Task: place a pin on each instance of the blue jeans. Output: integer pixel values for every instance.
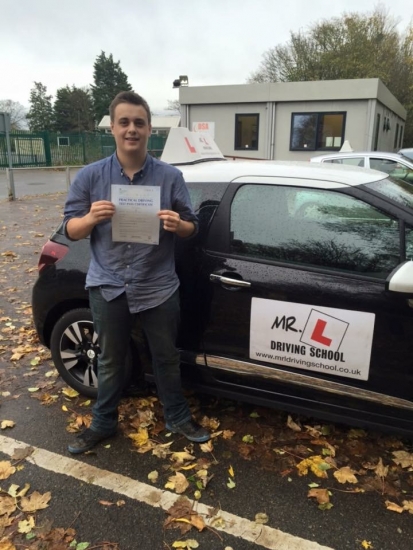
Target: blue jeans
(115, 324)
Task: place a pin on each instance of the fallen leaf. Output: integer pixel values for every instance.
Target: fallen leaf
(197, 522)
(261, 518)
(321, 495)
(35, 501)
(293, 425)
(187, 544)
(153, 476)
(7, 545)
(177, 483)
(210, 423)
(182, 456)
(317, 465)
(141, 438)
(393, 507)
(228, 434)
(70, 392)
(15, 492)
(345, 475)
(106, 503)
(7, 505)
(231, 471)
(25, 526)
(207, 447)
(381, 470)
(366, 544)
(21, 454)
(403, 459)
(231, 483)
(7, 424)
(6, 469)
(248, 439)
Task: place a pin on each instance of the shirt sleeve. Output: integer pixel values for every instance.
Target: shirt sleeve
(78, 199)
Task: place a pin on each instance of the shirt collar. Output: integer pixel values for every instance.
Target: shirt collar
(142, 172)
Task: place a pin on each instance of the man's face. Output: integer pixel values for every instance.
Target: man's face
(131, 129)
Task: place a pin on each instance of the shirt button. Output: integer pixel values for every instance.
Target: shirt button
(126, 284)
(127, 267)
(128, 245)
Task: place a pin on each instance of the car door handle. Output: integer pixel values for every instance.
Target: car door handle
(228, 281)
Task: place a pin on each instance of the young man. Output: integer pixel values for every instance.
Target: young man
(132, 282)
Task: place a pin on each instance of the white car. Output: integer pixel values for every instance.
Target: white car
(393, 164)
(407, 153)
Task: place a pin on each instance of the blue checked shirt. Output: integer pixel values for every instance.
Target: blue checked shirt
(145, 272)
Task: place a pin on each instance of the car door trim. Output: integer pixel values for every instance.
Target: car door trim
(244, 368)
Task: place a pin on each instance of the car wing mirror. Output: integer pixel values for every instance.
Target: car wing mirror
(400, 279)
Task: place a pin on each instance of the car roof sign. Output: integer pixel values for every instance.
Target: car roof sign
(186, 147)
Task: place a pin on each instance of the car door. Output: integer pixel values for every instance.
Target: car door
(294, 280)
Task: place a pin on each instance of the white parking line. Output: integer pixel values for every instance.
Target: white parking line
(262, 535)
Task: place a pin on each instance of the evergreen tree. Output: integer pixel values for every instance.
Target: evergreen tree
(109, 80)
(73, 110)
(40, 114)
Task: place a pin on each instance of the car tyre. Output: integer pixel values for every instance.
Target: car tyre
(74, 347)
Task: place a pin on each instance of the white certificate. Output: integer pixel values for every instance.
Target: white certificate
(135, 219)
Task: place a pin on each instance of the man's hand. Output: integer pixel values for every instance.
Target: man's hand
(101, 211)
(172, 222)
(79, 228)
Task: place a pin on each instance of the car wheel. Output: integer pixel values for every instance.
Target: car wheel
(74, 347)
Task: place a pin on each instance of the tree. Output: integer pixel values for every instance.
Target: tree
(17, 113)
(347, 47)
(109, 80)
(40, 115)
(174, 105)
(73, 110)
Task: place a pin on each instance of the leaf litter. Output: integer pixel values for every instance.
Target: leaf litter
(340, 459)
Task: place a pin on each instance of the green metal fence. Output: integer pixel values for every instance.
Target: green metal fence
(57, 149)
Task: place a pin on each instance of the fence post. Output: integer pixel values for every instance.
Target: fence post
(84, 148)
(67, 177)
(10, 184)
(47, 149)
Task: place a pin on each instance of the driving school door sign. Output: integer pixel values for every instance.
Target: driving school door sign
(319, 339)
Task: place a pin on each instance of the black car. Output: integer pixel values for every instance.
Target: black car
(296, 293)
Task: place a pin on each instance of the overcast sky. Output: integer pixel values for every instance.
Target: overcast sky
(211, 41)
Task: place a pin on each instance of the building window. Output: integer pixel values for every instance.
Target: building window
(396, 137)
(317, 131)
(376, 133)
(401, 137)
(246, 131)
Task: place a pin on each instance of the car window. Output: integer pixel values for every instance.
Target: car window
(313, 227)
(409, 242)
(353, 161)
(393, 168)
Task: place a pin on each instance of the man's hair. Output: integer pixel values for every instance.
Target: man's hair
(128, 97)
